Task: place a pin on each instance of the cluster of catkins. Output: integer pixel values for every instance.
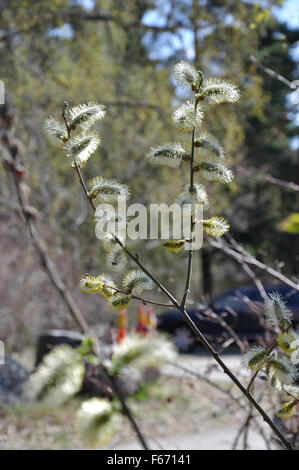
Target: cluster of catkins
(279, 368)
(206, 154)
(79, 148)
(208, 161)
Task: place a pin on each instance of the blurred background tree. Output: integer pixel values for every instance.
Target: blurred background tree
(120, 53)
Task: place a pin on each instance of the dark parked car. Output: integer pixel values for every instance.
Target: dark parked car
(238, 307)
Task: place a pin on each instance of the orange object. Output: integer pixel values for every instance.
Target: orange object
(142, 320)
(122, 326)
(151, 319)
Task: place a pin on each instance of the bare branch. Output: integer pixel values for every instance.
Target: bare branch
(249, 259)
(271, 73)
(269, 179)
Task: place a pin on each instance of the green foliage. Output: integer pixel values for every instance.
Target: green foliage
(290, 224)
(86, 349)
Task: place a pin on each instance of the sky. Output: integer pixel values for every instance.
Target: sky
(289, 13)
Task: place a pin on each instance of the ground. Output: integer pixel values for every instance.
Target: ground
(178, 411)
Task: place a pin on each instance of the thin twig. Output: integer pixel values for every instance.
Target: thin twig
(271, 72)
(142, 299)
(249, 272)
(243, 429)
(225, 325)
(190, 256)
(227, 371)
(251, 381)
(133, 257)
(268, 179)
(249, 259)
(223, 390)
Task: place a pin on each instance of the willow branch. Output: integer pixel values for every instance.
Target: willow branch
(251, 381)
(135, 258)
(74, 17)
(198, 333)
(225, 325)
(189, 268)
(209, 348)
(243, 429)
(258, 283)
(142, 299)
(207, 345)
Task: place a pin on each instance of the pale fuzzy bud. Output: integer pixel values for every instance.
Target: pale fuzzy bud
(277, 313)
(136, 281)
(191, 199)
(185, 117)
(174, 245)
(108, 288)
(288, 342)
(216, 226)
(283, 370)
(86, 115)
(116, 259)
(214, 171)
(55, 130)
(81, 147)
(185, 74)
(109, 242)
(58, 378)
(255, 358)
(208, 145)
(107, 190)
(96, 421)
(142, 352)
(217, 90)
(169, 155)
(90, 284)
(119, 301)
(286, 410)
